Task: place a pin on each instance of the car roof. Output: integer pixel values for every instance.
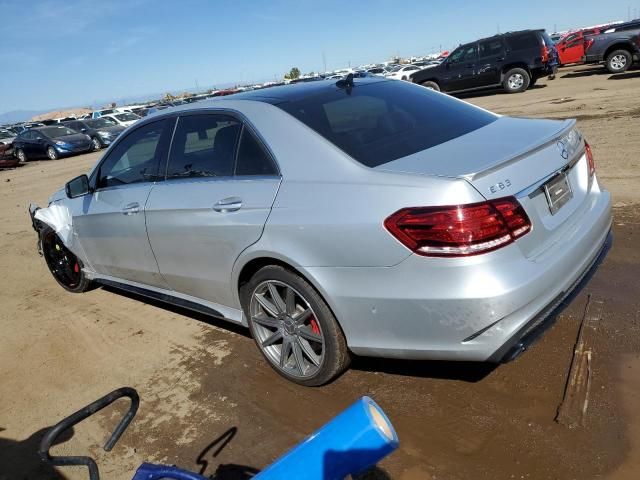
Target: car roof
(287, 93)
(506, 34)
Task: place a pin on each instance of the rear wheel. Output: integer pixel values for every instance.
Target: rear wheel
(431, 85)
(619, 61)
(293, 327)
(63, 265)
(516, 80)
(51, 153)
(96, 143)
(21, 155)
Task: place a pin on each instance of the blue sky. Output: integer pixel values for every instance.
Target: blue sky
(77, 52)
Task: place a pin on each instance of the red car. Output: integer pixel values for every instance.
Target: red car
(7, 160)
(571, 47)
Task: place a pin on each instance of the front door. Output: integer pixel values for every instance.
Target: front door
(214, 204)
(460, 68)
(110, 223)
(572, 49)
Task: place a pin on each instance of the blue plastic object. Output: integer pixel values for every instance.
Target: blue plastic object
(147, 471)
(352, 442)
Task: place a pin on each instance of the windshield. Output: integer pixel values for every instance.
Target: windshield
(376, 123)
(100, 123)
(55, 132)
(126, 117)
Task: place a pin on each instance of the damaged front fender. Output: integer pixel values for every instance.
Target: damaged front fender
(58, 218)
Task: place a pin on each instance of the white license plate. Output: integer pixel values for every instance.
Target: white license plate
(558, 192)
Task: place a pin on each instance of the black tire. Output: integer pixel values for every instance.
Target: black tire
(334, 355)
(96, 144)
(516, 80)
(431, 85)
(619, 61)
(64, 266)
(20, 155)
(51, 153)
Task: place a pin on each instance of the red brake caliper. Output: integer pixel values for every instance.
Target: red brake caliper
(315, 328)
(76, 267)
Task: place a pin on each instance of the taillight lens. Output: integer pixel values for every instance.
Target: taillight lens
(460, 230)
(590, 161)
(545, 54)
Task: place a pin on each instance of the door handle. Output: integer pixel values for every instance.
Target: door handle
(131, 209)
(230, 204)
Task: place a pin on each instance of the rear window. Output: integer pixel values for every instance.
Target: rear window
(524, 41)
(377, 123)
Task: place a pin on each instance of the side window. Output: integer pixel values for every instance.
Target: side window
(574, 42)
(523, 41)
(204, 146)
(135, 159)
(27, 135)
(252, 159)
(465, 53)
(490, 48)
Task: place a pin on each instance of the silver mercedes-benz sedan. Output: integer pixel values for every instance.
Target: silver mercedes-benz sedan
(372, 217)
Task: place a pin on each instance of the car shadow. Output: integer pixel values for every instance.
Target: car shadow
(20, 459)
(492, 91)
(599, 70)
(201, 317)
(626, 75)
(471, 372)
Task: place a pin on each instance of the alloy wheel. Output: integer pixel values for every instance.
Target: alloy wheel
(21, 156)
(63, 264)
(516, 81)
(286, 329)
(51, 153)
(96, 143)
(618, 62)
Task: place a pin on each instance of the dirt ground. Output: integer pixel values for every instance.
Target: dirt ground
(202, 381)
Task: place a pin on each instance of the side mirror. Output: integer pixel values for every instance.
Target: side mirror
(77, 187)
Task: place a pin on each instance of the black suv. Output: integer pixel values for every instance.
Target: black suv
(514, 60)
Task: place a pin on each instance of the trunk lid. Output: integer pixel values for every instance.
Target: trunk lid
(515, 157)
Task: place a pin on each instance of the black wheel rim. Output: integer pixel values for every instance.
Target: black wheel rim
(63, 264)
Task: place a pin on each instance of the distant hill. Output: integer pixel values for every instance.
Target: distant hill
(18, 116)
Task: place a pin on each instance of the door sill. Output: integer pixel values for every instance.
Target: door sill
(171, 297)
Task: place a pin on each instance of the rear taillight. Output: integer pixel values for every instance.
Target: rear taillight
(545, 54)
(460, 230)
(587, 43)
(590, 161)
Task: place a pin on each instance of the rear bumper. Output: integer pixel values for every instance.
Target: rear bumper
(474, 309)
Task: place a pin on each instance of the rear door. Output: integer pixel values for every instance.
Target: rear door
(490, 60)
(220, 185)
(25, 141)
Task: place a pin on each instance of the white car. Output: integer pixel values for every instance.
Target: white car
(402, 72)
(124, 119)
